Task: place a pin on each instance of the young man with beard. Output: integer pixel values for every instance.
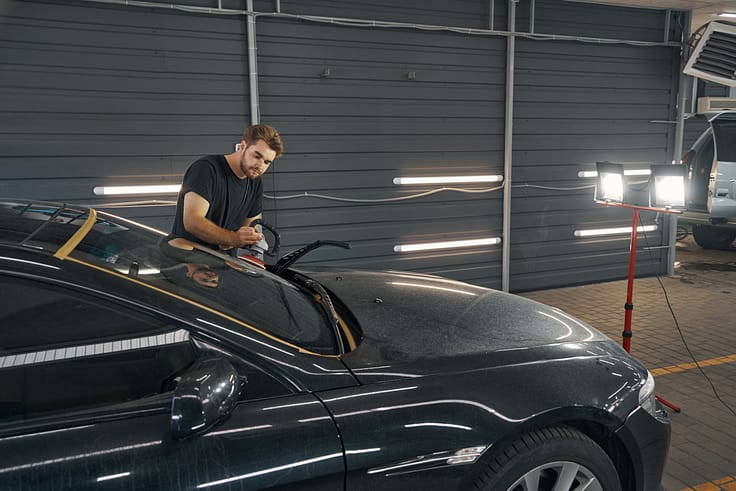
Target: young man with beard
(222, 194)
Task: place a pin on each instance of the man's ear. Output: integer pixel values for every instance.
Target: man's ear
(243, 144)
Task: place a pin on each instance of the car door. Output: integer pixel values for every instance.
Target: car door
(722, 186)
(86, 396)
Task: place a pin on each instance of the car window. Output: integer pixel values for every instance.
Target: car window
(725, 137)
(254, 296)
(60, 351)
(46, 226)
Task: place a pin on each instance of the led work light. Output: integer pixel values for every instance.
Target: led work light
(610, 187)
(667, 186)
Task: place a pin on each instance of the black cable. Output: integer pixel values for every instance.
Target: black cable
(677, 324)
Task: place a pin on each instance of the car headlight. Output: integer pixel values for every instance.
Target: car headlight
(647, 398)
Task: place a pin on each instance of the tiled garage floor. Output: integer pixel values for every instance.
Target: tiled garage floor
(702, 294)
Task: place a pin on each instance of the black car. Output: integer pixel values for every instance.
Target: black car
(130, 361)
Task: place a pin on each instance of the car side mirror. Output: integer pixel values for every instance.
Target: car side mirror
(206, 395)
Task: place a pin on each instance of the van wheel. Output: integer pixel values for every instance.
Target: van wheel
(557, 458)
(709, 237)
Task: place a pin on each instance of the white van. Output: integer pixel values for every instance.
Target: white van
(711, 199)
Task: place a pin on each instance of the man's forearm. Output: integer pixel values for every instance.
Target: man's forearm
(208, 232)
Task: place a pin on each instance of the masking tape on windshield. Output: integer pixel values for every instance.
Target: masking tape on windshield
(64, 251)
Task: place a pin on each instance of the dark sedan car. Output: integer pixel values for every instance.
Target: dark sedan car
(129, 361)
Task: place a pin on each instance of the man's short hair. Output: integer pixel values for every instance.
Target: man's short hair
(266, 133)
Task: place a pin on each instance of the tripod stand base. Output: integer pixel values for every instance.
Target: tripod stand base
(667, 403)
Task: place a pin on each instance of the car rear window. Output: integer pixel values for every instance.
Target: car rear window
(725, 138)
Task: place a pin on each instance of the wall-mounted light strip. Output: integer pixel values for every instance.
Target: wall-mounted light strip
(596, 232)
(630, 172)
(447, 179)
(113, 476)
(149, 189)
(453, 244)
(731, 15)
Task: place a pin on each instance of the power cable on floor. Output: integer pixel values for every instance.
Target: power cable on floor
(677, 324)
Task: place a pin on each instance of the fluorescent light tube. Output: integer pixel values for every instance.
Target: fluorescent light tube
(149, 189)
(631, 172)
(595, 232)
(447, 179)
(113, 476)
(453, 244)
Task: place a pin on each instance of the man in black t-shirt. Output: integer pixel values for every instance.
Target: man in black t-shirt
(222, 194)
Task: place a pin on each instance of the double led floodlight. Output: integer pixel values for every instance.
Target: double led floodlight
(667, 185)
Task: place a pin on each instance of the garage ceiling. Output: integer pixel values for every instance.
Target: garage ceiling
(703, 10)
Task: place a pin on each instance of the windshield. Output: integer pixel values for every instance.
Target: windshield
(218, 281)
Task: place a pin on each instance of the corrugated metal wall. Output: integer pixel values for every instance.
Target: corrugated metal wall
(95, 95)
(98, 94)
(577, 103)
(350, 133)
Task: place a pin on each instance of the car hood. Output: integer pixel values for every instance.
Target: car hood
(410, 317)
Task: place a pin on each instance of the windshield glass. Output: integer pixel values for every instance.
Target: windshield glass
(39, 225)
(221, 282)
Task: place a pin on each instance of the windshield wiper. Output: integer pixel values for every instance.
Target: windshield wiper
(294, 256)
(321, 296)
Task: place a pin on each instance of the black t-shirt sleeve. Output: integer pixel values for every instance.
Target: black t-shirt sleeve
(201, 178)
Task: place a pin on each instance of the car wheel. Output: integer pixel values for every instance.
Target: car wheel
(558, 458)
(709, 237)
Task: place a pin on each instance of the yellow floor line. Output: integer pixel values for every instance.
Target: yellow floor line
(689, 366)
(727, 483)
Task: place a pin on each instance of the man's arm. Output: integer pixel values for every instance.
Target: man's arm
(197, 224)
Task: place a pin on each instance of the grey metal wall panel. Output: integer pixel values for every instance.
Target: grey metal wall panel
(350, 133)
(589, 20)
(95, 94)
(577, 103)
(459, 13)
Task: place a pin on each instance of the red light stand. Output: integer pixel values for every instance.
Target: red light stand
(626, 335)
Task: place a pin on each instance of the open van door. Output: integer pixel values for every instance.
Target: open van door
(722, 181)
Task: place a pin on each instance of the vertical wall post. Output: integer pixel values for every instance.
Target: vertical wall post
(507, 147)
(255, 110)
(682, 97)
(682, 88)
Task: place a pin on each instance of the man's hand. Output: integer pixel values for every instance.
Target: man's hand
(248, 235)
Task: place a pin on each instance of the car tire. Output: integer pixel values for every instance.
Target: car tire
(709, 237)
(542, 459)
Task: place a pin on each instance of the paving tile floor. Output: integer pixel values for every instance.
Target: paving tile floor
(701, 325)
